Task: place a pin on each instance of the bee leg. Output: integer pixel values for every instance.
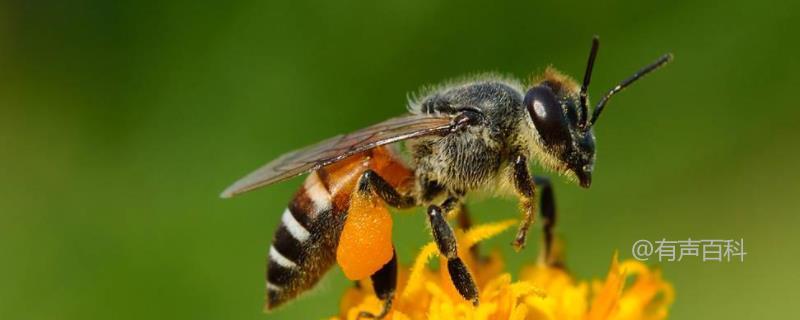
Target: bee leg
(465, 223)
(446, 242)
(384, 282)
(463, 219)
(371, 182)
(523, 183)
(547, 204)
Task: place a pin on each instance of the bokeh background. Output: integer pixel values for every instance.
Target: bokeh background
(120, 123)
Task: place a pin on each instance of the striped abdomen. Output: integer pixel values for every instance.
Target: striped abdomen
(304, 246)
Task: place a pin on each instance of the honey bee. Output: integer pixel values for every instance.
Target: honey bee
(462, 137)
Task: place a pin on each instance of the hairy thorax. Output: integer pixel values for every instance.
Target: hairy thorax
(471, 159)
(457, 164)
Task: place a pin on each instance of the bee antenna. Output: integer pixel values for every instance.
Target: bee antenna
(587, 77)
(625, 83)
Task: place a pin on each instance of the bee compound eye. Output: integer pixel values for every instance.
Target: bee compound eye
(547, 115)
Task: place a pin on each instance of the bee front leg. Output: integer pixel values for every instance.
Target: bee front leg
(524, 185)
(384, 282)
(446, 242)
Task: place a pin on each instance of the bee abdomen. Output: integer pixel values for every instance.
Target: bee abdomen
(304, 245)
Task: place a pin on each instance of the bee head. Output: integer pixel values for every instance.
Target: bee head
(565, 143)
(558, 109)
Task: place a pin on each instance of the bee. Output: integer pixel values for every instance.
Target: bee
(462, 137)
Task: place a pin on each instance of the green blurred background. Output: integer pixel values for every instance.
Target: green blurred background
(121, 123)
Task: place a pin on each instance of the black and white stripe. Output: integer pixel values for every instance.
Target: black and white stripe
(304, 246)
(277, 257)
(286, 252)
(295, 228)
(287, 255)
(294, 265)
(318, 193)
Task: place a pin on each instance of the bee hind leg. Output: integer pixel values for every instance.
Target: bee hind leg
(372, 183)
(384, 282)
(446, 242)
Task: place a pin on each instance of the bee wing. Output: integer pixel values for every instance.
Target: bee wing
(340, 147)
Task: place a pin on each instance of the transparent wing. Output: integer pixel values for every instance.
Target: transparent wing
(337, 148)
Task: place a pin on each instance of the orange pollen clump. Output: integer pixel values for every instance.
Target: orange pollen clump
(366, 241)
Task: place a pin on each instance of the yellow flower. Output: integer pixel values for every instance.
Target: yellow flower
(543, 291)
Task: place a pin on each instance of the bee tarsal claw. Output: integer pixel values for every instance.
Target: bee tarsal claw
(518, 244)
